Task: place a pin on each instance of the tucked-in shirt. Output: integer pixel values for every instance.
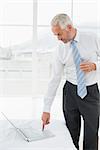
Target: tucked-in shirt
(88, 45)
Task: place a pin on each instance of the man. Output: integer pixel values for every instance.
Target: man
(78, 53)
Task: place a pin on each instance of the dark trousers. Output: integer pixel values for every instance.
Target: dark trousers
(74, 107)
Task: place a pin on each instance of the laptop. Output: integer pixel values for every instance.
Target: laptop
(30, 134)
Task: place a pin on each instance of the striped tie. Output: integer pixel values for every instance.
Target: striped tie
(81, 83)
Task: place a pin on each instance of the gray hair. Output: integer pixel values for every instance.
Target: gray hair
(62, 20)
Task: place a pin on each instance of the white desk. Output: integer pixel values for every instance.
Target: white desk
(61, 141)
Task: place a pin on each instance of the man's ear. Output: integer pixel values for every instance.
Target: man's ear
(69, 28)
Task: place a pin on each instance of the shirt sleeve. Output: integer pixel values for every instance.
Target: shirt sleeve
(98, 54)
(57, 70)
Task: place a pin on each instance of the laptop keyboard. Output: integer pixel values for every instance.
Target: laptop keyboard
(34, 134)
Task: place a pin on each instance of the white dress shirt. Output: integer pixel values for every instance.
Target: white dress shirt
(89, 48)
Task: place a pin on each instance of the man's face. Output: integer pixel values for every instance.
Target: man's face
(62, 34)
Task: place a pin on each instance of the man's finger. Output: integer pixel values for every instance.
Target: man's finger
(85, 65)
(47, 122)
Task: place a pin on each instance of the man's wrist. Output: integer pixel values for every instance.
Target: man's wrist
(46, 112)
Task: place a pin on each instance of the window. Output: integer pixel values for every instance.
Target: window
(86, 15)
(25, 20)
(85, 12)
(47, 9)
(16, 19)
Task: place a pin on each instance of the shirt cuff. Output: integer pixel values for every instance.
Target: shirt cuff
(47, 109)
(97, 66)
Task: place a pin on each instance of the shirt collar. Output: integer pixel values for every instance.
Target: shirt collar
(77, 36)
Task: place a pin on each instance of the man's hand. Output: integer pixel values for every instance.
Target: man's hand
(46, 118)
(87, 66)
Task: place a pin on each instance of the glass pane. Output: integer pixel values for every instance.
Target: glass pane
(98, 11)
(46, 40)
(95, 30)
(16, 11)
(43, 66)
(86, 12)
(13, 35)
(47, 9)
